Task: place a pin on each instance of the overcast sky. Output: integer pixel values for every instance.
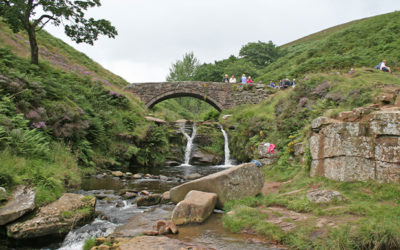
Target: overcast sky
(155, 33)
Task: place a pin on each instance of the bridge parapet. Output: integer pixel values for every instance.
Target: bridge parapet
(219, 95)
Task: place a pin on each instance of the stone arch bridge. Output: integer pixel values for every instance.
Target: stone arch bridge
(220, 95)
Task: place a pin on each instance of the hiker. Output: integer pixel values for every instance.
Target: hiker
(244, 79)
(232, 79)
(351, 71)
(226, 78)
(383, 67)
(293, 84)
(272, 84)
(286, 83)
(280, 84)
(249, 80)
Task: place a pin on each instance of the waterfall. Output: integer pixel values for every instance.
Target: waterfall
(189, 144)
(226, 148)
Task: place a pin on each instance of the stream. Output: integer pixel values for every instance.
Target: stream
(117, 211)
(114, 210)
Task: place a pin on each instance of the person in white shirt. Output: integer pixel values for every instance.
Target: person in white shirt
(383, 67)
(232, 79)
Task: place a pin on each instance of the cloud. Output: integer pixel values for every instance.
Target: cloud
(155, 33)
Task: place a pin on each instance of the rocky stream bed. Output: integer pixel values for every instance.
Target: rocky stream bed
(118, 215)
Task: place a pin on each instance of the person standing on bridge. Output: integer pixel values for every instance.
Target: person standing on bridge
(232, 79)
(244, 79)
(226, 78)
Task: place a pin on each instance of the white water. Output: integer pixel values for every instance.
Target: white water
(226, 148)
(76, 238)
(189, 144)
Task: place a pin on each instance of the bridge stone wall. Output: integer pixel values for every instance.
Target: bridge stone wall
(219, 95)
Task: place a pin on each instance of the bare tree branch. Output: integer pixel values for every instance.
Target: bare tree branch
(38, 21)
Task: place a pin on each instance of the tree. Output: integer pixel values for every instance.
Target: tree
(185, 69)
(21, 15)
(260, 54)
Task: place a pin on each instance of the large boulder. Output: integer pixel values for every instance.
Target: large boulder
(323, 196)
(195, 208)
(236, 182)
(22, 201)
(57, 218)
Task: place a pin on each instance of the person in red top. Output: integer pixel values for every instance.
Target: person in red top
(249, 80)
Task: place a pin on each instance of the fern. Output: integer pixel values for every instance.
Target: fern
(27, 142)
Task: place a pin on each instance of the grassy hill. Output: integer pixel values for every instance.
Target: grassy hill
(66, 116)
(369, 217)
(359, 43)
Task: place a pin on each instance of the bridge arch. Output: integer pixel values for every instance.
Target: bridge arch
(174, 94)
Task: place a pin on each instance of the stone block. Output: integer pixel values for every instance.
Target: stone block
(344, 168)
(195, 208)
(385, 123)
(387, 149)
(236, 182)
(387, 172)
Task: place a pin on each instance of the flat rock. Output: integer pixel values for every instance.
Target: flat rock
(156, 243)
(22, 201)
(195, 208)
(57, 218)
(143, 222)
(117, 173)
(323, 196)
(236, 182)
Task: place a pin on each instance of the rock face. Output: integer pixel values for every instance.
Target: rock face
(59, 217)
(365, 149)
(323, 196)
(202, 158)
(236, 182)
(195, 208)
(22, 201)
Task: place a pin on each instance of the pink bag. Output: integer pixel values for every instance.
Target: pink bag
(271, 148)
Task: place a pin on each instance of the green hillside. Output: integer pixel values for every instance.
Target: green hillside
(369, 214)
(360, 43)
(66, 117)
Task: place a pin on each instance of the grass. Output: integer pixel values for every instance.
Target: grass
(368, 217)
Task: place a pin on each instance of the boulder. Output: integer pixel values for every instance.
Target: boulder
(22, 201)
(163, 178)
(129, 195)
(57, 218)
(117, 173)
(195, 208)
(323, 196)
(236, 182)
(149, 200)
(137, 176)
